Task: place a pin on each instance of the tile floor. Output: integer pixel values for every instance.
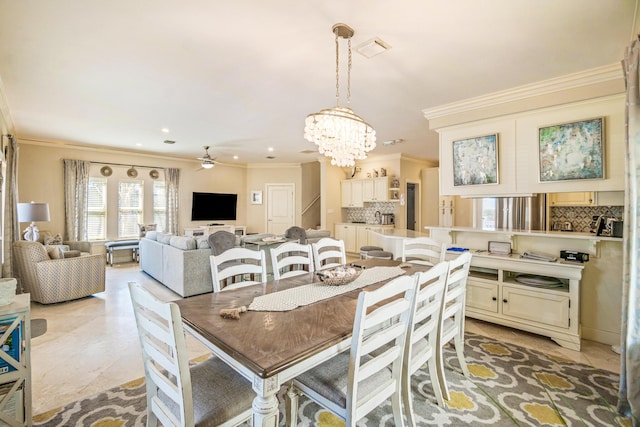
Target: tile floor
(92, 344)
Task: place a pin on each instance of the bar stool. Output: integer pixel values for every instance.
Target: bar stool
(366, 249)
(380, 254)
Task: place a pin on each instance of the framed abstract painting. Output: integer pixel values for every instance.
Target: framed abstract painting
(571, 151)
(475, 160)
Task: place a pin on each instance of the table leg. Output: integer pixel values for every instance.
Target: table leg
(265, 404)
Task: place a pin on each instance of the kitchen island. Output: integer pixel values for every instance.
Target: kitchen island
(391, 239)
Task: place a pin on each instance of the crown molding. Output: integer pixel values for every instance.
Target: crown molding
(273, 165)
(96, 149)
(589, 77)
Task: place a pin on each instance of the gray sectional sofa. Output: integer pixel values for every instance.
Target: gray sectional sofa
(181, 263)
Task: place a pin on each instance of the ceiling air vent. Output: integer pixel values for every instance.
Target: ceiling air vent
(271, 157)
(372, 47)
(308, 151)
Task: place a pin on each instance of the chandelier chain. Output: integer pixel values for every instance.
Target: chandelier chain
(337, 69)
(349, 76)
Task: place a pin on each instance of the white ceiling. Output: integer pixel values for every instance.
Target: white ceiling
(241, 76)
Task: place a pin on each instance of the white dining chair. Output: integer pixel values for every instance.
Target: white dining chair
(328, 253)
(291, 259)
(423, 250)
(237, 267)
(352, 384)
(452, 315)
(422, 334)
(209, 393)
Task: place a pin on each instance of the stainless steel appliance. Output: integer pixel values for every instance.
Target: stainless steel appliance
(388, 219)
(512, 213)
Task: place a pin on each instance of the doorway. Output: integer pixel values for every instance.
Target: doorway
(412, 202)
(280, 207)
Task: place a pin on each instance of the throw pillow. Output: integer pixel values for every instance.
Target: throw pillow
(164, 238)
(70, 254)
(202, 242)
(186, 243)
(53, 240)
(54, 252)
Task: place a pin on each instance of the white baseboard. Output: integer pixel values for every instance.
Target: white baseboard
(598, 335)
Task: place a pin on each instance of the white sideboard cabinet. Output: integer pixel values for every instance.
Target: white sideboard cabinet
(495, 294)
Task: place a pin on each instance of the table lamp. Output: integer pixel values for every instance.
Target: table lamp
(32, 212)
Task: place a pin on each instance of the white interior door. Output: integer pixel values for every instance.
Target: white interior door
(280, 207)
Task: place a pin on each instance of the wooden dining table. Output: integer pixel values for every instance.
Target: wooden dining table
(270, 348)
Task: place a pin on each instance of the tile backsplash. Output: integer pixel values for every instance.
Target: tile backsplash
(368, 213)
(582, 216)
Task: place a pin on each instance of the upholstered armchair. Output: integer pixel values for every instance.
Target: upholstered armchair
(56, 280)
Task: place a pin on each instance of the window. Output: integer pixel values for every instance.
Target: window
(130, 203)
(159, 204)
(97, 207)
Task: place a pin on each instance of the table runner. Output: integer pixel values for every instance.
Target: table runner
(308, 294)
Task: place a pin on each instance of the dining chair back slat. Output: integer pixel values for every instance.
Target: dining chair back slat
(238, 267)
(328, 253)
(291, 259)
(423, 250)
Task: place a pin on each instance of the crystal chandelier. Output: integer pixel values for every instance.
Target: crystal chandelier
(338, 132)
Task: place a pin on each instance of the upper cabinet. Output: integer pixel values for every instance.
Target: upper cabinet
(357, 191)
(352, 195)
(587, 198)
(375, 189)
(517, 157)
(583, 198)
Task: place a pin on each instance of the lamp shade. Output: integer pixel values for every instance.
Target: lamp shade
(31, 212)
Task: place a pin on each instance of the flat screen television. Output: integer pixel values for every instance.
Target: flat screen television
(213, 206)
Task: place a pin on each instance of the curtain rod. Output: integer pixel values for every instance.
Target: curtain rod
(129, 165)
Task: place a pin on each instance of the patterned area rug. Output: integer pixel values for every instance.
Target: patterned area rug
(509, 386)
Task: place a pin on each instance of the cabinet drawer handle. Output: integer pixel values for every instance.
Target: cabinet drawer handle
(505, 301)
(494, 299)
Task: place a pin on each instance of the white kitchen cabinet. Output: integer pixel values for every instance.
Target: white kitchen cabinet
(446, 211)
(351, 192)
(356, 235)
(363, 235)
(494, 295)
(375, 189)
(347, 233)
(582, 198)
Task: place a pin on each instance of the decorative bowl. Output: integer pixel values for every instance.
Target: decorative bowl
(339, 276)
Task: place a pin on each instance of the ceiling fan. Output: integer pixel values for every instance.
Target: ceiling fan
(207, 161)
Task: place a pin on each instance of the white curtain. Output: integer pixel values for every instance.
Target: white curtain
(172, 180)
(76, 191)
(629, 397)
(11, 226)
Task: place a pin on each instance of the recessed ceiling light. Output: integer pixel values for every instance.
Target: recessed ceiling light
(235, 157)
(372, 47)
(169, 141)
(138, 145)
(164, 130)
(270, 149)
